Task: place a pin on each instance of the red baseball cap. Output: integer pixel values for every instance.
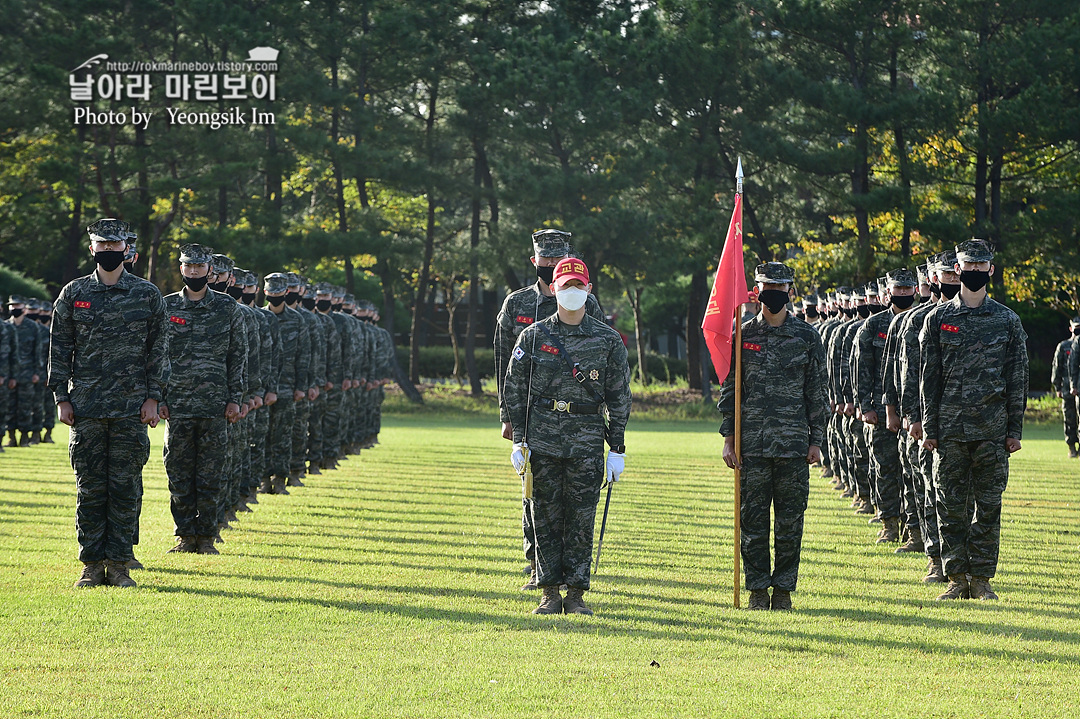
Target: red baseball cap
(570, 269)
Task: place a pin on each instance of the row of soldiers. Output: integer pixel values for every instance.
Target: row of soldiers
(1065, 378)
(26, 405)
(926, 403)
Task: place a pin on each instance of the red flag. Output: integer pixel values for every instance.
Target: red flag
(728, 293)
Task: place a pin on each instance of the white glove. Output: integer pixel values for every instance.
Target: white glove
(616, 463)
(517, 456)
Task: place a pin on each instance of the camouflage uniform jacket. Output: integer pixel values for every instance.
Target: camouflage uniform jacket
(335, 368)
(909, 368)
(42, 367)
(385, 363)
(9, 351)
(295, 352)
(316, 350)
(1059, 371)
(1073, 380)
(785, 401)
(601, 355)
(269, 349)
(846, 362)
(870, 366)
(27, 357)
(109, 348)
(253, 381)
(520, 309)
(207, 352)
(347, 342)
(974, 372)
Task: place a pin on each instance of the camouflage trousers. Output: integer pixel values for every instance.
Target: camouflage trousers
(970, 477)
(912, 490)
(331, 424)
(1069, 413)
(259, 442)
(107, 456)
(931, 538)
(37, 416)
(565, 493)
(315, 429)
(376, 411)
(837, 460)
(48, 407)
(5, 403)
(782, 485)
(279, 437)
(858, 456)
(194, 453)
(300, 436)
(22, 411)
(884, 468)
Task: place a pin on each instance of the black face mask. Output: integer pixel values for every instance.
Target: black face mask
(292, 298)
(276, 301)
(875, 308)
(811, 312)
(235, 292)
(309, 303)
(195, 284)
(775, 300)
(935, 290)
(109, 260)
(950, 291)
(337, 307)
(547, 274)
(219, 286)
(902, 302)
(974, 280)
(1076, 331)
(129, 266)
(863, 310)
(249, 299)
(16, 312)
(323, 305)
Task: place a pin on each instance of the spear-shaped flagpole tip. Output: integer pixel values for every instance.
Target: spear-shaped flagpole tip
(738, 177)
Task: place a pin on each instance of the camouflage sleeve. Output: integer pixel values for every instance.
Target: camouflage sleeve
(1058, 369)
(864, 369)
(593, 308)
(726, 405)
(254, 355)
(847, 392)
(834, 371)
(891, 362)
(303, 356)
(318, 353)
(43, 352)
(814, 393)
(158, 367)
(5, 357)
(335, 361)
(236, 357)
(930, 375)
(910, 402)
(1016, 380)
(515, 388)
(277, 354)
(61, 348)
(1072, 381)
(617, 394)
(504, 345)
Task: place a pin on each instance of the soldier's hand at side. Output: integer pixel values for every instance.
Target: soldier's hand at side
(67, 413)
(329, 386)
(1012, 444)
(12, 383)
(729, 454)
(849, 409)
(892, 420)
(929, 444)
(271, 398)
(35, 379)
(915, 430)
(813, 455)
(148, 413)
(1075, 393)
(244, 410)
(870, 417)
(232, 412)
(297, 395)
(1060, 395)
(163, 411)
(507, 431)
(313, 393)
(256, 402)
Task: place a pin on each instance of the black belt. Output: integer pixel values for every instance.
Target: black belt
(559, 405)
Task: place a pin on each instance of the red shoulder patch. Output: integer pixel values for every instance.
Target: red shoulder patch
(882, 335)
(178, 320)
(751, 346)
(549, 349)
(82, 305)
(522, 319)
(950, 328)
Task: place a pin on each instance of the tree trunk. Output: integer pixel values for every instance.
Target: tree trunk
(903, 164)
(421, 292)
(639, 334)
(75, 230)
(474, 274)
(695, 312)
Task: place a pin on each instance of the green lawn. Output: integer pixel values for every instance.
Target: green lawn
(390, 588)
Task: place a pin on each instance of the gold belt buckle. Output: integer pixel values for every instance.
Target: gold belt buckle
(561, 406)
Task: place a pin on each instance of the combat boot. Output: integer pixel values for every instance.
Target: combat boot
(185, 545)
(230, 517)
(134, 563)
(47, 439)
(551, 602)
(759, 599)
(313, 468)
(848, 494)
(890, 530)
(914, 541)
(12, 442)
(979, 588)
(116, 574)
(781, 600)
(531, 584)
(35, 437)
(865, 506)
(827, 474)
(279, 485)
(265, 486)
(838, 485)
(205, 545)
(294, 480)
(575, 602)
(242, 506)
(25, 440)
(957, 589)
(934, 573)
(93, 575)
(1073, 454)
(218, 539)
(253, 498)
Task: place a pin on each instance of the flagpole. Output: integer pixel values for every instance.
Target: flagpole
(738, 419)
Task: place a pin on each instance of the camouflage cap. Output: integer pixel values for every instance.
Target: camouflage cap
(324, 288)
(275, 282)
(194, 254)
(811, 299)
(882, 286)
(901, 277)
(843, 292)
(551, 243)
(922, 276)
(240, 276)
(870, 289)
(109, 229)
(975, 250)
(251, 279)
(774, 273)
(338, 293)
(293, 279)
(130, 251)
(349, 299)
(857, 293)
(16, 300)
(946, 261)
(221, 264)
(1075, 321)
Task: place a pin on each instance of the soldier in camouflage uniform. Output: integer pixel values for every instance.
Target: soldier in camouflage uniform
(871, 367)
(784, 411)
(269, 367)
(340, 375)
(207, 355)
(384, 370)
(9, 365)
(311, 376)
(330, 401)
(1067, 385)
(521, 309)
(556, 415)
(292, 379)
(109, 365)
(26, 372)
(974, 391)
(47, 401)
(854, 449)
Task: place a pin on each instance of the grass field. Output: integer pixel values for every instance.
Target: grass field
(390, 589)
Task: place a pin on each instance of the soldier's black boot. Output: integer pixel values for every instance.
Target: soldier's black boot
(116, 574)
(957, 589)
(934, 573)
(979, 588)
(93, 575)
(531, 584)
(12, 442)
(47, 439)
(575, 602)
(205, 545)
(134, 563)
(25, 441)
(294, 480)
(890, 531)
(1073, 454)
(759, 599)
(253, 498)
(279, 485)
(781, 600)
(265, 486)
(313, 468)
(551, 602)
(185, 545)
(35, 437)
